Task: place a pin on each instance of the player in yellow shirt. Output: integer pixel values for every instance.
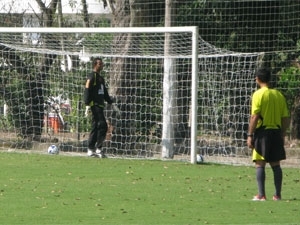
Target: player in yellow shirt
(267, 127)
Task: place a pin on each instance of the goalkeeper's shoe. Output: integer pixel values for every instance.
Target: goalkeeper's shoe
(259, 198)
(100, 154)
(91, 153)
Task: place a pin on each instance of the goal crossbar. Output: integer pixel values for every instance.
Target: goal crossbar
(183, 29)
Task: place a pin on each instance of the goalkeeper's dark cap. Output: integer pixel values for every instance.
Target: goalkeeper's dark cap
(263, 74)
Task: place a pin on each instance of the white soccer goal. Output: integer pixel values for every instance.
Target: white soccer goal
(175, 95)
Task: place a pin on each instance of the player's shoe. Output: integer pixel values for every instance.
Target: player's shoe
(259, 198)
(91, 153)
(100, 154)
(276, 198)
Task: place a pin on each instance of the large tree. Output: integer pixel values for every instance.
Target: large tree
(126, 70)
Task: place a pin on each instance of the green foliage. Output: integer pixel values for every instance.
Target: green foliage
(5, 123)
(244, 26)
(289, 83)
(57, 189)
(18, 112)
(150, 100)
(92, 40)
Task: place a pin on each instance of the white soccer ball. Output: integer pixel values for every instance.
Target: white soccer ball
(199, 159)
(53, 149)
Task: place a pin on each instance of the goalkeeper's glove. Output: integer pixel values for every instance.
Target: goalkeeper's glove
(87, 111)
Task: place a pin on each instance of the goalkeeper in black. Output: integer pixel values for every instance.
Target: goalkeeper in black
(95, 94)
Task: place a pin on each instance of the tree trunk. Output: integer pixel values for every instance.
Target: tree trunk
(35, 108)
(169, 90)
(125, 14)
(85, 13)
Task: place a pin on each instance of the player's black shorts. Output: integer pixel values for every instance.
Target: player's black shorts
(269, 144)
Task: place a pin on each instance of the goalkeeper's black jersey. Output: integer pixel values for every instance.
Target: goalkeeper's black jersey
(96, 93)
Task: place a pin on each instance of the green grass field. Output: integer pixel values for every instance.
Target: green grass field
(58, 189)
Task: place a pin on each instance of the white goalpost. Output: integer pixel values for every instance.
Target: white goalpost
(175, 94)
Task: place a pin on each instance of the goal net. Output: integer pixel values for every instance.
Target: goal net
(175, 95)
